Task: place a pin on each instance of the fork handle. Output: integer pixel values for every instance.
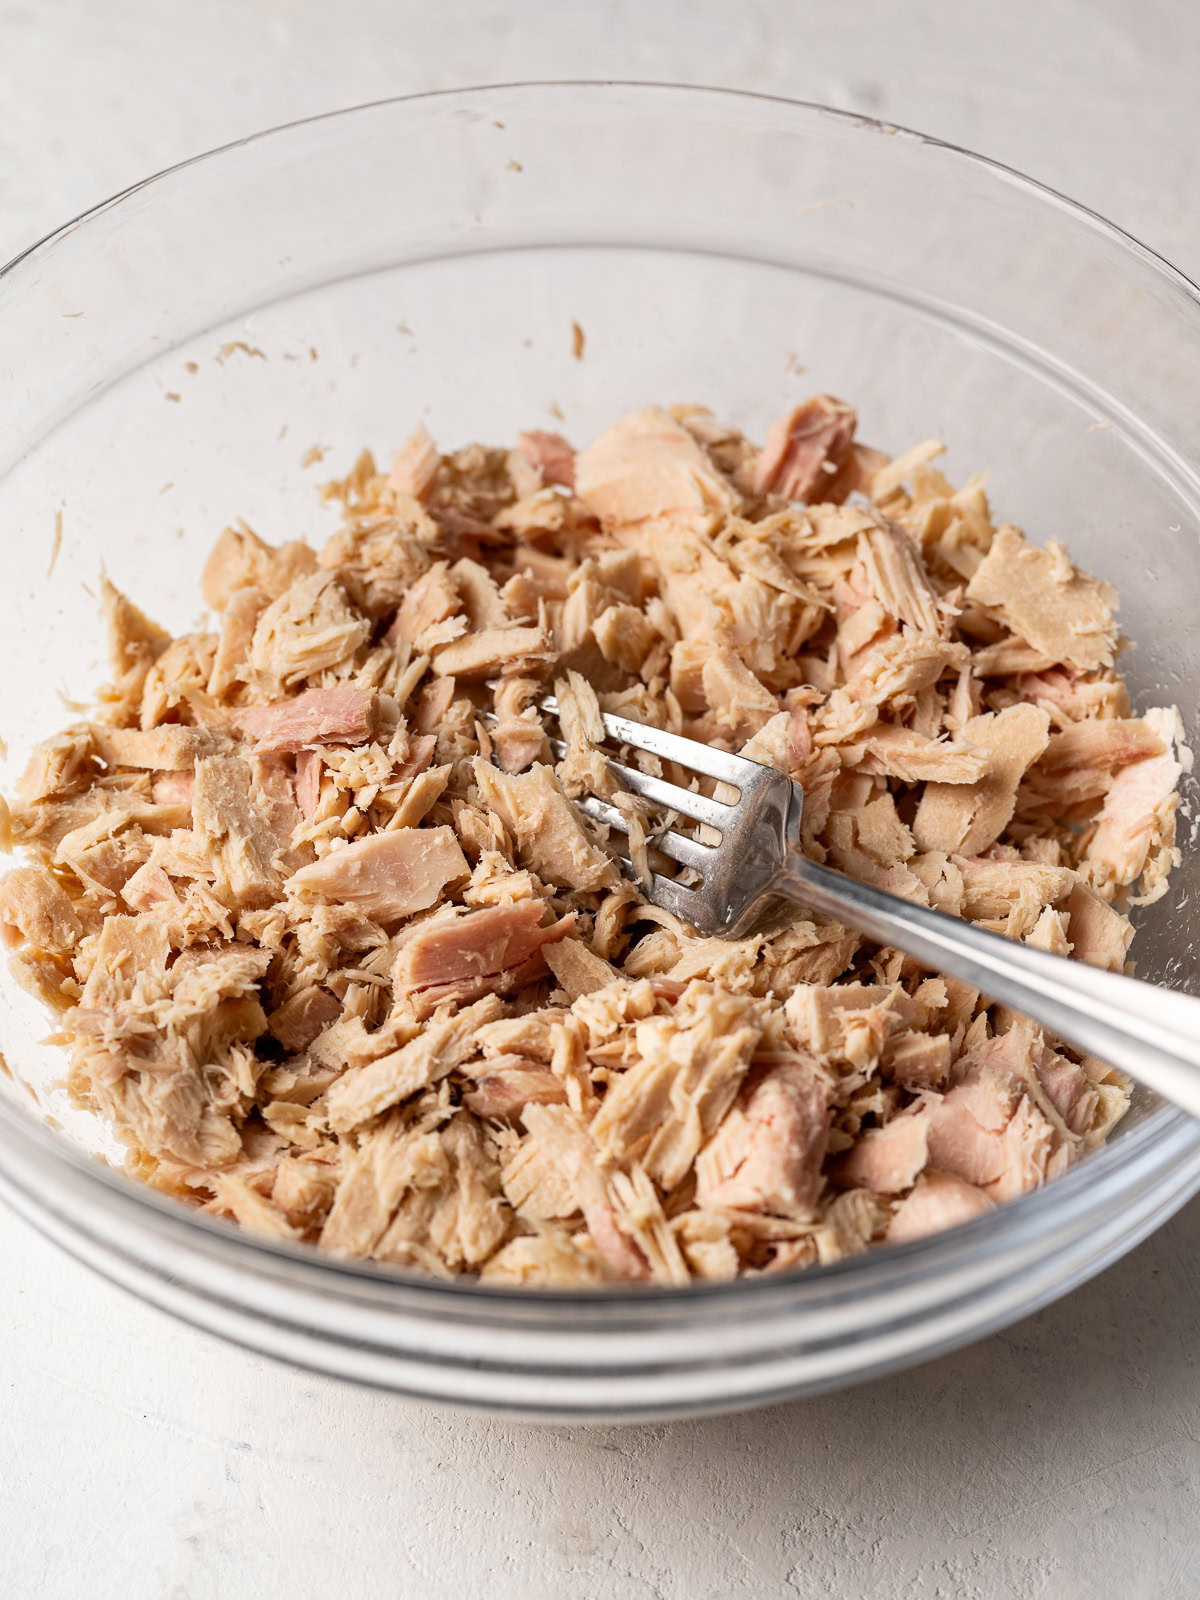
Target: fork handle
(1152, 1034)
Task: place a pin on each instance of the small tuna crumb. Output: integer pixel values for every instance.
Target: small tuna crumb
(233, 345)
(577, 341)
(57, 545)
(314, 453)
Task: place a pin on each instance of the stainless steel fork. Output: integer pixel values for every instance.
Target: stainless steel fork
(1151, 1033)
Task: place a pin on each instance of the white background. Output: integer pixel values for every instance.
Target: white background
(142, 1460)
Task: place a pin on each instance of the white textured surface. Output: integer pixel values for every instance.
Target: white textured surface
(1061, 1458)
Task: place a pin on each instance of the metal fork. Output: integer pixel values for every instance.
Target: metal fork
(1151, 1033)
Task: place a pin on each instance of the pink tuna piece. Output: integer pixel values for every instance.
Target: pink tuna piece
(940, 1200)
(172, 788)
(888, 1159)
(805, 447)
(505, 1085)
(420, 754)
(319, 716)
(386, 875)
(965, 1128)
(469, 950)
(432, 704)
(550, 453)
(767, 1154)
(308, 782)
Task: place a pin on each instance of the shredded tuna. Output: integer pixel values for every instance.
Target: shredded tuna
(462, 954)
(386, 875)
(338, 956)
(552, 456)
(938, 1200)
(317, 717)
(1064, 614)
(805, 448)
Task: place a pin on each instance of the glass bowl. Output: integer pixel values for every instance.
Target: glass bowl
(169, 361)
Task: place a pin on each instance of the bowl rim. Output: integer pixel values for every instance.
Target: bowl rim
(1021, 1221)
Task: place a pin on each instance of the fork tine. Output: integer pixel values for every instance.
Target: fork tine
(659, 792)
(675, 897)
(672, 747)
(689, 852)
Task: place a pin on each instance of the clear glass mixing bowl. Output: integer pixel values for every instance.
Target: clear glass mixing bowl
(166, 363)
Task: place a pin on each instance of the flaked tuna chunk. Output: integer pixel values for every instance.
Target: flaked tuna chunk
(939, 1200)
(1098, 934)
(577, 970)
(308, 783)
(992, 888)
(229, 817)
(387, 876)
(35, 907)
(965, 1129)
(429, 601)
(495, 650)
(170, 748)
(899, 667)
(505, 1085)
(433, 703)
(967, 819)
(452, 1216)
(415, 467)
(1069, 1090)
(767, 1154)
(557, 1170)
(231, 661)
(735, 696)
(1138, 817)
(482, 601)
(61, 765)
(1102, 742)
(303, 1188)
(518, 736)
(1066, 615)
(648, 465)
(888, 1159)
(443, 1044)
(298, 1021)
(893, 752)
(135, 643)
(241, 560)
(418, 1194)
(550, 454)
(987, 1130)
(920, 1060)
(149, 889)
(310, 627)
(464, 951)
(549, 834)
(420, 754)
(804, 449)
(690, 1069)
(897, 577)
(172, 788)
(1077, 696)
(625, 635)
(316, 717)
(1027, 1143)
